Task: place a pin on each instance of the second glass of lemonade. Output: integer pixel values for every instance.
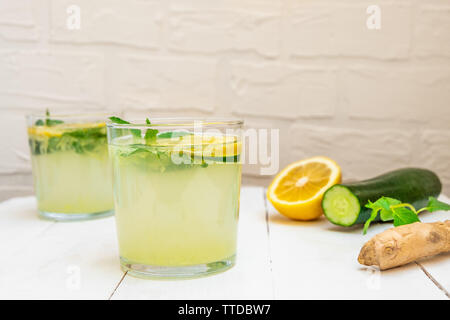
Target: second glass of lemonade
(71, 168)
(176, 191)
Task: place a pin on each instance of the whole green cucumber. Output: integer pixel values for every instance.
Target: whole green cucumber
(344, 204)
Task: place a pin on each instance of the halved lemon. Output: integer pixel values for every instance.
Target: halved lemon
(297, 190)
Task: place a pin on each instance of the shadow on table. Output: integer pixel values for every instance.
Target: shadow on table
(321, 223)
(434, 260)
(282, 220)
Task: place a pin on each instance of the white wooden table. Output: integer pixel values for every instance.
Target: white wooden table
(277, 259)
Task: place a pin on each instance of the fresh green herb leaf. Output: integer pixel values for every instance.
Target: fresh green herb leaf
(150, 135)
(134, 132)
(81, 141)
(404, 216)
(53, 145)
(77, 147)
(118, 120)
(48, 122)
(372, 217)
(87, 133)
(52, 122)
(383, 207)
(386, 213)
(436, 205)
(134, 151)
(401, 213)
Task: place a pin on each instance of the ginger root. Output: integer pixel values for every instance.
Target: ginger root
(404, 244)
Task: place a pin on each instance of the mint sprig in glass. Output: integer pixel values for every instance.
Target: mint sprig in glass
(71, 169)
(176, 191)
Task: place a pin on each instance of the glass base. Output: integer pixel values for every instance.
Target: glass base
(176, 272)
(74, 216)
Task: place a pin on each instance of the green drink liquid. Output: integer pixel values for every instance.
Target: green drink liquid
(71, 170)
(177, 214)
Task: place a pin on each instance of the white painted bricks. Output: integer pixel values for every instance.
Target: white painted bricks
(165, 83)
(374, 100)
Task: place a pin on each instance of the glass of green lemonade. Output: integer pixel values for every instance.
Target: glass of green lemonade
(71, 168)
(176, 192)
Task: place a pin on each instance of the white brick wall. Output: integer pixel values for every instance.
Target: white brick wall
(374, 100)
(358, 151)
(283, 90)
(340, 26)
(54, 76)
(432, 31)
(131, 23)
(17, 22)
(164, 83)
(212, 28)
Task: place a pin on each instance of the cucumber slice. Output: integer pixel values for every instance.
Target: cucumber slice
(341, 206)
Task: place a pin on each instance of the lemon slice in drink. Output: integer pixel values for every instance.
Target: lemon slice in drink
(59, 129)
(206, 146)
(297, 190)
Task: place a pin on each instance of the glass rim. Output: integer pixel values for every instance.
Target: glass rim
(179, 122)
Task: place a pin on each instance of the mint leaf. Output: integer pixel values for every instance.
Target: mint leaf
(118, 120)
(150, 135)
(134, 132)
(373, 215)
(386, 215)
(404, 216)
(51, 122)
(48, 122)
(87, 133)
(436, 205)
(81, 140)
(387, 202)
(135, 151)
(401, 213)
(383, 205)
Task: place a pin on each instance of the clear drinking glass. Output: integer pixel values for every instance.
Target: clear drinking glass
(71, 168)
(176, 193)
